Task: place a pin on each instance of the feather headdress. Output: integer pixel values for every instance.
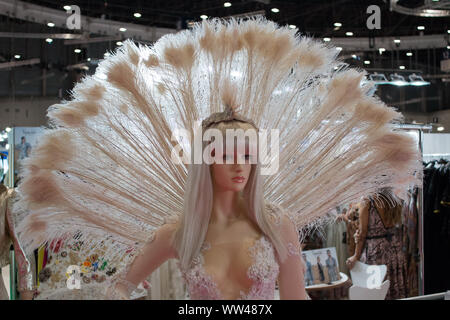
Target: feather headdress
(105, 167)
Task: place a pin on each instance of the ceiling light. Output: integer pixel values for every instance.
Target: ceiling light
(275, 10)
(51, 24)
(397, 41)
(448, 31)
(440, 128)
(77, 50)
(227, 4)
(204, 16)
(354, 56)
(119, 43)
(420, 27)
(409, 54)
(88, 59)
(366, 61)
(448, 47)
(292, 26)
(137, 15)
(17, 56)
(349, 34)
(123, 29)
(338, 24)
(381, 50)
(402, 67)
(49, 40)
(67, 8)
(326, 39)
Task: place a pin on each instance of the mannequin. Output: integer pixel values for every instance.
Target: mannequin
(7, 238)
(231, 235)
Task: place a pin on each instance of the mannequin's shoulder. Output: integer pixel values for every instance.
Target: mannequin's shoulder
(277, 215)
(168, 230)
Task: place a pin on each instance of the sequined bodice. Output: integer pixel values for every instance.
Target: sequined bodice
(263, 272)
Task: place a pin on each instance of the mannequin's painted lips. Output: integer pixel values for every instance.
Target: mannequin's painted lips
(238, 179)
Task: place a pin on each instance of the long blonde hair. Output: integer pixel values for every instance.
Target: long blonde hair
(390, 204)
(198, 203)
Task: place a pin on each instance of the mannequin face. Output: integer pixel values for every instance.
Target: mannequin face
(233, 176)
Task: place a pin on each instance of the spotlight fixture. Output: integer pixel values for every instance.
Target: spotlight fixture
(349, 34)
(420, 27)
(17, 56)
(417, 80)
(409, 54)
(8, 129)
(326, 39)
(378, 78)
(119, 43)
(366, 61)
(381, 50)
(338, 24)
(227, 4)
(402, 67)
(77, 50)
(292, 26)
(51, 24)
(440, 128)
(397, 41)
(398, 80)
(354, 56)
(67, 8)
(204, 16)
(275, 10)
(122, 29)
(137, 15)
(49, 40)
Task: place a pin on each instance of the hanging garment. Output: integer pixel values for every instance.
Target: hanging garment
(384, 246)
(436, 227)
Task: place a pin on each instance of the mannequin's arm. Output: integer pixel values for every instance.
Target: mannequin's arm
(292, 269)
(150, 258)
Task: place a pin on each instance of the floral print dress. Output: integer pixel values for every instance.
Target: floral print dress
(385, 246)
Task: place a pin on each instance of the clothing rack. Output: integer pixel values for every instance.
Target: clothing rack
(436, 156)
(434, 296)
